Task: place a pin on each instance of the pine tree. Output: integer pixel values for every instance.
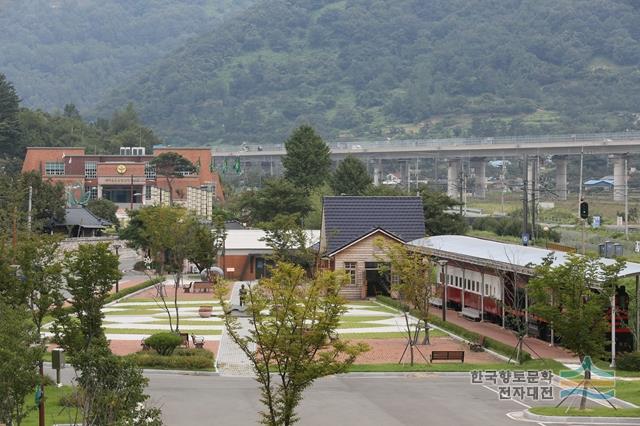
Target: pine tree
(351, 177)
(9, 123)
(307, 163)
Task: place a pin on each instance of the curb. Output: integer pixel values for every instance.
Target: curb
(127, 296)
(153, 371)
(577, 419)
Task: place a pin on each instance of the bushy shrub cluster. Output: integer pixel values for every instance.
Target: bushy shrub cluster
(164, 343)
(629, 362)
(511, 226)
(181, 359)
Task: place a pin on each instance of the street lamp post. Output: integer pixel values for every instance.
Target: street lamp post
(116, 247)
(443, 265)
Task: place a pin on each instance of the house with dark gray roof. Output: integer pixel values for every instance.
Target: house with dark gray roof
(80, 222)
(350, 226)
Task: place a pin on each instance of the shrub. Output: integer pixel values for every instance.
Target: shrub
(629, 362)
(182, 359)
(164, 343)
(471, 336)
(129, 290)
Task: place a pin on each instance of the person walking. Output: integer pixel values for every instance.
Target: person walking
(243, 294)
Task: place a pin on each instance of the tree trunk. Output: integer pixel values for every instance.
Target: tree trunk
(586, 385)
(175, 298)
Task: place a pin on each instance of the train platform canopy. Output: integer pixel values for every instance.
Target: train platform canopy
(494, 254)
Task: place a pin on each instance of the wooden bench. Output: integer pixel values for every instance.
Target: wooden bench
(202, 286)
(447, 356)
(435, 301)
(187, 287)
(144, 345)
(198, 341)
(470, 313)
(185, 340)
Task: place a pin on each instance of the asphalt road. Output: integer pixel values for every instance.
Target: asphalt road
(344, 400)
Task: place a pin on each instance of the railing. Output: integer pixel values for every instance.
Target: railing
(357, 146)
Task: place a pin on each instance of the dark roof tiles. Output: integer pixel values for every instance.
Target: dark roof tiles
(347, 218)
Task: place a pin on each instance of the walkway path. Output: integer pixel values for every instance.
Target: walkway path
(231, 360)
(508, 337)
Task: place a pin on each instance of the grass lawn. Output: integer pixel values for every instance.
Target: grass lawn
(590, 412)
(54, 412)
(604, 365)
(629, 391)
(448, 367)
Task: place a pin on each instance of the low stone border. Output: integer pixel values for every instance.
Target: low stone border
(579, 420)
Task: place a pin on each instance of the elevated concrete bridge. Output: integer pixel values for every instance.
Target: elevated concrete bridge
(455, 150)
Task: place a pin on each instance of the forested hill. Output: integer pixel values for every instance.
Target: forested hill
(71, 51)
(383, 67)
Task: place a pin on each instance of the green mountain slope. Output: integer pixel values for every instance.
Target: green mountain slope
(62, 51)
(367, 68)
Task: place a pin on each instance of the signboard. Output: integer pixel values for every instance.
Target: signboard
(596, 222)
(525, 239)
(121, 180)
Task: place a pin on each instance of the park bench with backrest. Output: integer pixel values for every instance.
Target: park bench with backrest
(470, 313)
(447, 356)
(201, 286)
(198, 341)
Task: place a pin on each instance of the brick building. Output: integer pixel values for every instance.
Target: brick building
(126, 179)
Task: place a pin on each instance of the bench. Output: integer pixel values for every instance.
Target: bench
(144, 345)
(185, 340)
(435, 301)
(198, 341)
(202, 286)
(447, 356)
(187, 287)
(477, 346)
(470, 313)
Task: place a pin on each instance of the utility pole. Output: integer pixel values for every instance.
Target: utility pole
(580, 200)
(525, 196)
(461, 188)
(534, 187)
(30, 205)
(626, 198)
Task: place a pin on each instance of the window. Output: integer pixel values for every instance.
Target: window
(350, 269)
(90, 169)
(147, 192)
(149, 171)
(54, 168)
(93, 190)
(137, 150)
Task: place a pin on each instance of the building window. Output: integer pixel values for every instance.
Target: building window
(93, 190)
(138, 150)
(147, 192)
(54, 168)
(149, 171)
(90, 169)
(350, 269)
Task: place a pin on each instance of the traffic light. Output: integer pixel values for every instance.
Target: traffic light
(584, 210)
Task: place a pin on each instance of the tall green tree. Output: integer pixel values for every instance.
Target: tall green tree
(351, 177)
(573, 298)
(307, 163)
(172, 166)
(437, 220)
(104, 209)
(20, 357)
(277, 196)
(291, 338)
(40, 274)
(91, 271)
(10, 145)
(288, 240)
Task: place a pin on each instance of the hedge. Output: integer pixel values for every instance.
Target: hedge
(629, 362)
(164, 343)
(129, 290)
(471, 336)
(182, 359)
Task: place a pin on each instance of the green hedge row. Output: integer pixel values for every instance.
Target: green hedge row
(471, 336)
(129, 290)
(181, 359)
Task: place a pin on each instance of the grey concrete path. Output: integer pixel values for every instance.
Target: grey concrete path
(231, 360)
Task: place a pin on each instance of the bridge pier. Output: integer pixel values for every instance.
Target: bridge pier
(377, 172)
(619, 177)
(561, 176)
(480, 171)
(453, 176)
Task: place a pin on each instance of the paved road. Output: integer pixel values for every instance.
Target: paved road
(388, 401)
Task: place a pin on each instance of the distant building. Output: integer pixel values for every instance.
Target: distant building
(605, 183)
(350, 226)
(80, 222)
(127, 179)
